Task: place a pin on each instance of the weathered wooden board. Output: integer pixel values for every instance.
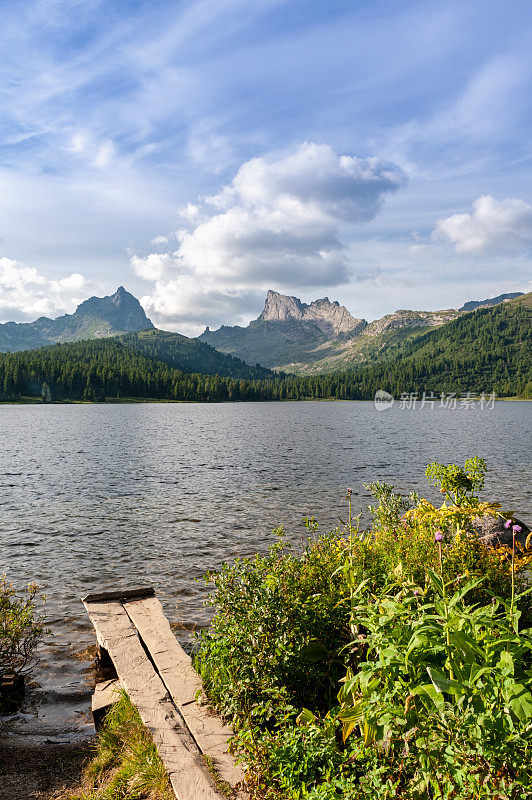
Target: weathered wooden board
(119, 594)
(177, 749)
(105, 694)
(184, 685)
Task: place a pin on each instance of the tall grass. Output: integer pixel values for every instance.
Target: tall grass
(125, 765)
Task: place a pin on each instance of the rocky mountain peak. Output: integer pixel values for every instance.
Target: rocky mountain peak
(280, 307)
(330, 318)
(121, 296)
(322, 336)
(121, 309)
(95, 318)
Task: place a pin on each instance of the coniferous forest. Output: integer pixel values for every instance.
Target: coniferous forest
(488, 351)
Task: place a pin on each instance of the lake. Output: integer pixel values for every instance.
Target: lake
(106, 496)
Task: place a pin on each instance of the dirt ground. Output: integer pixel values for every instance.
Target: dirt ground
(40, 772)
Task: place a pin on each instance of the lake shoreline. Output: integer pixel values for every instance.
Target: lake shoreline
(40, 771)
(25, 401)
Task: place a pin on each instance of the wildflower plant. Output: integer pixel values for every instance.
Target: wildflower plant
(394, 662)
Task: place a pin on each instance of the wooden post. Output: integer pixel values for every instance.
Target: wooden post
(11, 691)
(105, 695)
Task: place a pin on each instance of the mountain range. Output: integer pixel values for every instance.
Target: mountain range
(289, 335)
(324, 337)
(485, 351)
(122, 317)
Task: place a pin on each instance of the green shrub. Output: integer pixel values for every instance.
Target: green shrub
(276, 632)
(444, 691)
(21, 627)
(383, 664)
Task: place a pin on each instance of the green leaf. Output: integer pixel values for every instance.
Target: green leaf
(306, 717)
(460, 594)
(506, 663)
(466, 643)
(430, 690)
(352, 713)
(351, 716)
(370, 733)
(436, 581)
(444, 684)
(314, 651)
(520, 701)
(477, 672)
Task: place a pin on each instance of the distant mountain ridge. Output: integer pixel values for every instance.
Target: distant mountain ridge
(95, 318)
(289, 335)
(491, 301)
(120, 316)
(324, 337)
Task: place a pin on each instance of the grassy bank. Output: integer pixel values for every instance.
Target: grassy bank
(125, 764)
(395, 664)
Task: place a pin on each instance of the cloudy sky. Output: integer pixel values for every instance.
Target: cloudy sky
(200, 152)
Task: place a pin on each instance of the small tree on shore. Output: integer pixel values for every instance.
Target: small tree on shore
(46, 393)
(21, 627)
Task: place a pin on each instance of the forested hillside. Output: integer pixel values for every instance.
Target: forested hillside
(488, 350)
(106, 369)
(191, 355)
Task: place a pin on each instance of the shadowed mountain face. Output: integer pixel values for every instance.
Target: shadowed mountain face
(189, 355)
(95, 318)
(491, 301)
(323, 337)
(287, 331)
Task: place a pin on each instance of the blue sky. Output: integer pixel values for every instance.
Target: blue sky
(202, 152)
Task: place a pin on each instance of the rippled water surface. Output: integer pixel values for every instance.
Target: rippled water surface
(96, 496)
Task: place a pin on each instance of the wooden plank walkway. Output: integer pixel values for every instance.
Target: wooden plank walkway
(161, 682)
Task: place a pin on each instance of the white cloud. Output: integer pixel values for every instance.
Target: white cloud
(73, 283)
(190, 212)
(78, 143)
(493, 226)
(26, 294)
(185, 303)
(155, 266)
(158, 240)
(96, 152)
(277, 223)
(105, 155)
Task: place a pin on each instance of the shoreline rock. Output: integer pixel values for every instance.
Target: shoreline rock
(492, 533)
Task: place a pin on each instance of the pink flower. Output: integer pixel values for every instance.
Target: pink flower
(438, 536)
(517, 528)
(416, 591)
(507, 523)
